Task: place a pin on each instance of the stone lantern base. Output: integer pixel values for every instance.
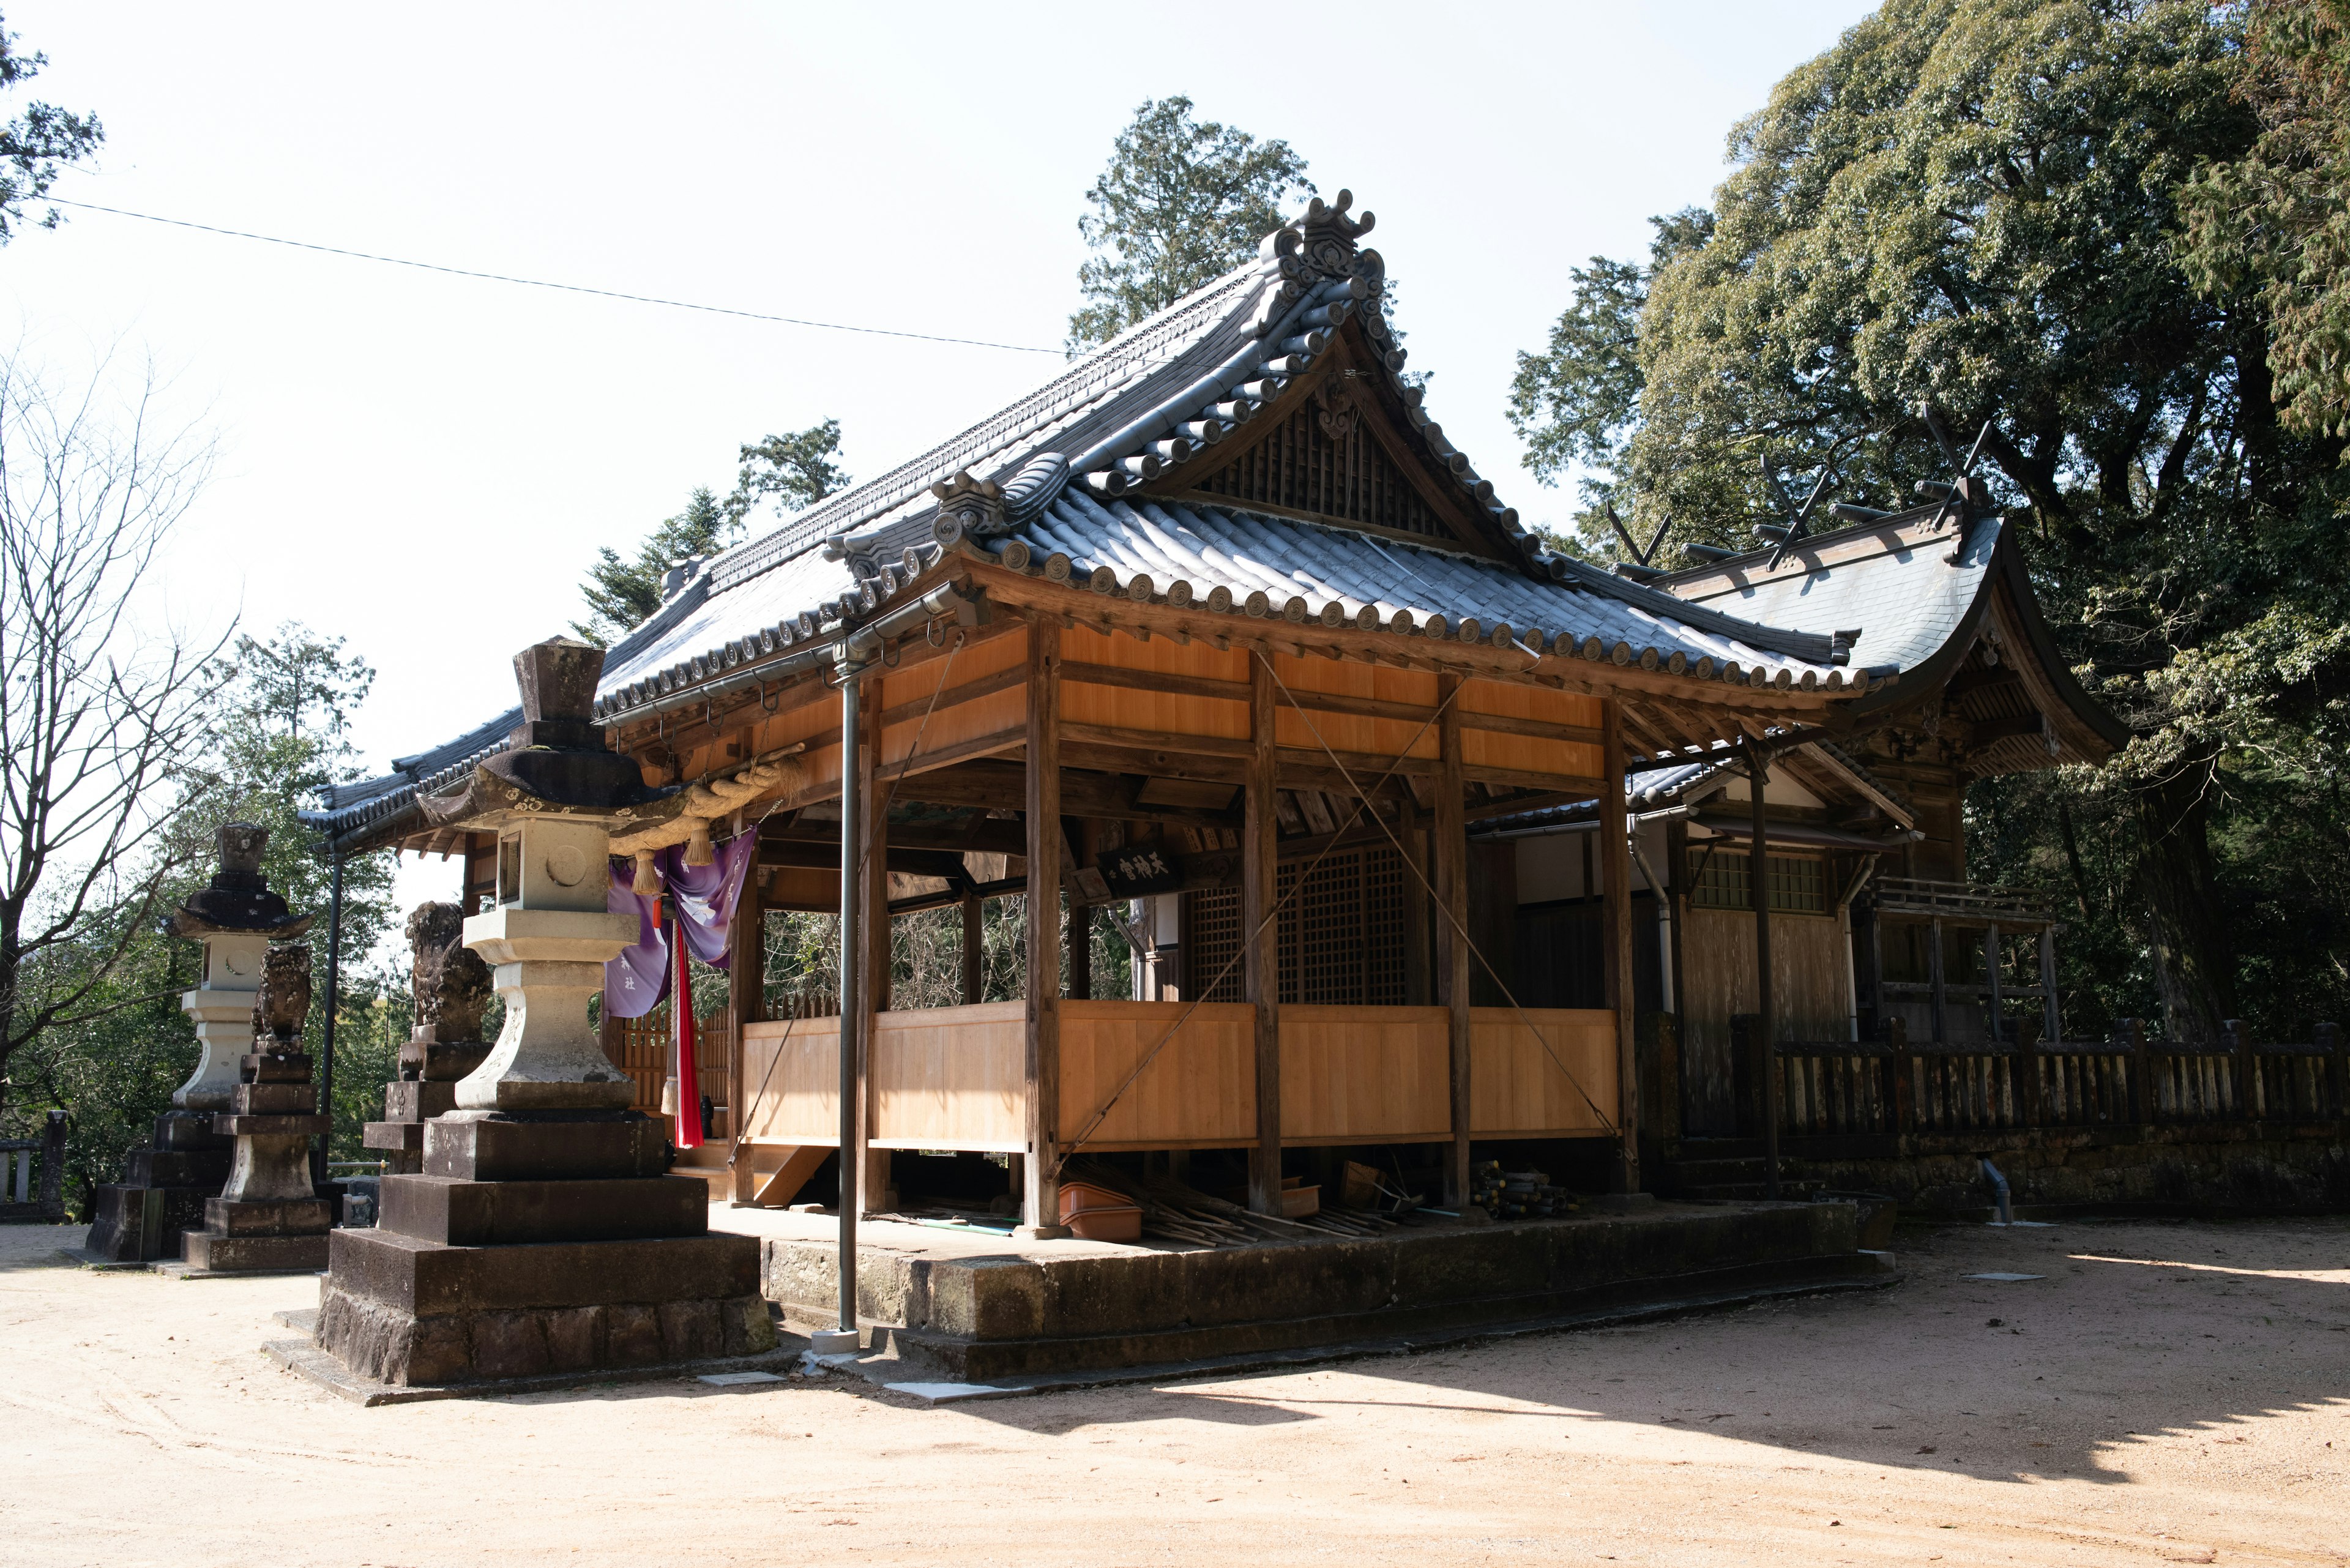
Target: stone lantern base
(160, 1196)
(534, 1242)
(426, 1087)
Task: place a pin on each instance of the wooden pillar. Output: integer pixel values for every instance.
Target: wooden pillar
(2242, 1069)
(2141, 1068)
(871, 1165)
(1934, 974)
(1449, 848)
(1994, 999)
(747, 950)
(2052, 1020)
(1040, 1200)
(1081, 926)
(975, 949)
(1616, 884)
(1260, 877)
(1758, 880)
(2329, 1045)
(1419, 985)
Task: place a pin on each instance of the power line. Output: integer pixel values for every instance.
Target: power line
(541, 283)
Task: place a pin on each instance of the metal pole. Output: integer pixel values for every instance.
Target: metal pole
(842, 1340)
(327, 1030)
(1758, 885)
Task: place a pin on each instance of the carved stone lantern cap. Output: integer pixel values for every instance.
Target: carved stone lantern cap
(556, 760)
(238, 901)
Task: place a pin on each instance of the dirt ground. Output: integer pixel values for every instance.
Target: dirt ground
(2168, 1392)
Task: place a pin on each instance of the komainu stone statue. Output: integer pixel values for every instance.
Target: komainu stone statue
(283, 1003)
(451, 988)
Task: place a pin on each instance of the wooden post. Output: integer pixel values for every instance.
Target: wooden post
(1419, 985)
(2337, 1071)
(1615, 940)
(1757, 882)
(1259, 879)
(2243, 1071)
(1994, 1002)
(1934, 974)
(1040, 1202)
(1677, 863)
(1900, 1093)
(746, 944)
(1081, 926)
(2141, 1069)
(2052, 1020)
(974, 951)
(1449, 846)
(872, 1164)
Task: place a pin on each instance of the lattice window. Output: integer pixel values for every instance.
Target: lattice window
(1722, 880)
(1324, 459)
(1340, 940)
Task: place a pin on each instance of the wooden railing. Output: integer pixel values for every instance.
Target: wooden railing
(1898, 1086)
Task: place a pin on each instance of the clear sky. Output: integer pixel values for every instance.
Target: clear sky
(426, 464)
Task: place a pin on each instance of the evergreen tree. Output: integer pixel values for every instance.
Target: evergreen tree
(38, 145)
(795, 471)
(1976, 205)
(1180, 204)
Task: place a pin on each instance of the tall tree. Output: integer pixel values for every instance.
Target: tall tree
(2277, 221)
(37, 145)
(1975, 205)
(97, 722)
(795, 471)
(1180, 204)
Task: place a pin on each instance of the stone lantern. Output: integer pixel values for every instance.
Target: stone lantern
(543, 1234)
(161, 1198)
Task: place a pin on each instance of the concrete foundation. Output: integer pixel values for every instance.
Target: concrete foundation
(980, 1309)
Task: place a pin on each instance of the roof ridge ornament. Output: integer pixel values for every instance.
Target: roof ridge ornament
(1321, 242)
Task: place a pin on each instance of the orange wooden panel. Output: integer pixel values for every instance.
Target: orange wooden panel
(1198, 1092)
(951, 1077)
(1487, 749)
(1164, 713)
(1343, 732)
(912, 690)
(1364, 1074)
(1519, 1088)
(791, 1076)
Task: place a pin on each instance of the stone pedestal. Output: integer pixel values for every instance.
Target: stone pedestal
(268, 1217)
(542, 1234)
(450, 987)
(410, 1101)
(161, 1194)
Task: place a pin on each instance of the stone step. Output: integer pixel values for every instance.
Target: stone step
(426, 1278)
(255, 1254)
(502, 1213)
(506, 1147)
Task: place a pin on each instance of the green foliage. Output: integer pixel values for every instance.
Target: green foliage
(38, 145)
(1180, 203)
(1976, 205)
(794, 471)
(2276, 221)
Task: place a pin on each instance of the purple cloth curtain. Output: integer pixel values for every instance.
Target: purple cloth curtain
(638, 980)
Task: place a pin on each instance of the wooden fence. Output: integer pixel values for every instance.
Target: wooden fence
(1895, 1085)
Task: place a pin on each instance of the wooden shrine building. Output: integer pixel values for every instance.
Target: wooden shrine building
(1217, 628)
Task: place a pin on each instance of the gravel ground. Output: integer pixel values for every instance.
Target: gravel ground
(2166, 1392)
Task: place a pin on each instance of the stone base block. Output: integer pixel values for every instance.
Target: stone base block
(554, 1146)
(274, 1067)
(502, 1213)
(253, 1254)
(399, 1347)
(137, 1224)
(273, 1100)
(428, 1278)
(189, 1131)
(205, 1168)
(269, 1217)
(440, 1062)
(237, 1125)
(405, 1137)
(415, 1102)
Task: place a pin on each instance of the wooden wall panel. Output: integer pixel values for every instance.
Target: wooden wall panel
(1518, 1090)
(1811, 993)
(1489, 749)
(988, 715)
(791, 1076)
(951, 1077)
(1165, 712)
(1199, 1092)
(1343, 732)
(1363, 1075)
